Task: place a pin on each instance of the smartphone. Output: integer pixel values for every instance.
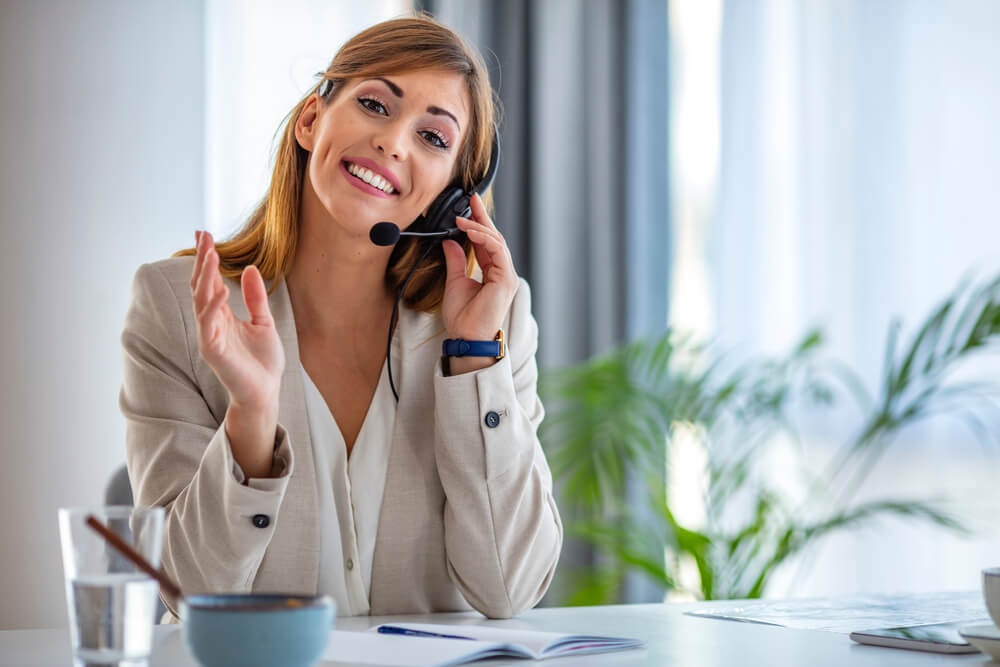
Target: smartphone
(937, 638)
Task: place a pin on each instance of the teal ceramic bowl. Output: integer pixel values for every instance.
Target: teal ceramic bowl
(257, 630)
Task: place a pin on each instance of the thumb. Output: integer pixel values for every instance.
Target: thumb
(255, 296)
(454, 259)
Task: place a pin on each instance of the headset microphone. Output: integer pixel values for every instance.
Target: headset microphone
(387, 233)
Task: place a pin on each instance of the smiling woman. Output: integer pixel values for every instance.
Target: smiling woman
(257, 388)
(374, 59)
(414, 138)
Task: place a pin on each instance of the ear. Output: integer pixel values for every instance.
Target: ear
(305, 124)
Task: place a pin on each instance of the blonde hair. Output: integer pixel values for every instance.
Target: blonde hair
(269, 237)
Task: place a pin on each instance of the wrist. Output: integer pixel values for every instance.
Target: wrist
(251, 433)
(478, 333)
(463, 355)
(460, 365)
(257, 400)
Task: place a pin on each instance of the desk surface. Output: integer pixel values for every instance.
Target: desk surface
(673, 638)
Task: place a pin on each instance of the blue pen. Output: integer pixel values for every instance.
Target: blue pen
(395, 630)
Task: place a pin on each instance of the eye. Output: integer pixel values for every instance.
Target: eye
(373, 105)
(434, 138)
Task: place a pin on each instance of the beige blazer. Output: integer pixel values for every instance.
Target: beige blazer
(467, 518)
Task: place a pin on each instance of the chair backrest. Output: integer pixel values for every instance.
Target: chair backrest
(119, 489)
(119, 492)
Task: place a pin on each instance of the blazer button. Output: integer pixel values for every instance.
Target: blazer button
(492, 419)
(261, 520)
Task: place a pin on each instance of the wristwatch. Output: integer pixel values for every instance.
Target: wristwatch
(459, 347)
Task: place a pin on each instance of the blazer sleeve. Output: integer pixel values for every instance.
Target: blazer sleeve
(179, 457)
(503, 533)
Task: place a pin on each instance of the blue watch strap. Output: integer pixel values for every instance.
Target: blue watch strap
(458, 347)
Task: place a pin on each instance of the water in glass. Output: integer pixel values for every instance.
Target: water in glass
(112, 618)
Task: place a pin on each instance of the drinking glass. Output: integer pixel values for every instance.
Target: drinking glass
(111, 603)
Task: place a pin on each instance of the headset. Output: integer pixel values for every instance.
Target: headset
(454, 200)
(438, 223)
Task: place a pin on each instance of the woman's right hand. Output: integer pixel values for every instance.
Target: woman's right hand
(247, 356)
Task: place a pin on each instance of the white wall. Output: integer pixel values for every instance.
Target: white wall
(101, 142)
(261, 57)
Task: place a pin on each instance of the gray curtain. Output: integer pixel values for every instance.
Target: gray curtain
(581, 193)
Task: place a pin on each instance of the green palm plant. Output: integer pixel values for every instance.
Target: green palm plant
(612, 421)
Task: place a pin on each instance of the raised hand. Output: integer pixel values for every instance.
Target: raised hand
(247, 356)
(474, 310)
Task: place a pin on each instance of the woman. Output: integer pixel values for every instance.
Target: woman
(257, 397)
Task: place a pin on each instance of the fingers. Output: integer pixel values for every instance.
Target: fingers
(207, 281)
(482, 257)
(199, 259)
(209, 294)
(480, 219)
(490, 246)
(495, 249)
(454, 259)
(204, 249)
(479, 213)
(218, 301)
(467, 226)
(255, 296)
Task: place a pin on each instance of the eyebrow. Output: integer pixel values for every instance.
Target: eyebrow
(437, 111)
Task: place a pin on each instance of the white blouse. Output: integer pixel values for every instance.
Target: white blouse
(350, 494)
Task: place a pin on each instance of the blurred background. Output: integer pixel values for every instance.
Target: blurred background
(755, 194)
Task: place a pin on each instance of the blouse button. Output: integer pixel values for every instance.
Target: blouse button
(492, 419)
(350, 564)
(261, 520)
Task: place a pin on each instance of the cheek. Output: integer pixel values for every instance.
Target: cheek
(324, 162)
(435, 184)
(325, 151)
(440, 176)
(331, 141)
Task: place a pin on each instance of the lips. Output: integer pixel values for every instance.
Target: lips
(373, 169)
(362, 185)
(370, 177)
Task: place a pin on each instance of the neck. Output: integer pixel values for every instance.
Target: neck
(337, 282)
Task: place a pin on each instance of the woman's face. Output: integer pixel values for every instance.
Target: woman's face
(385, 147)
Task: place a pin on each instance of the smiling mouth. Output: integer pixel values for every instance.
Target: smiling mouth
(369, 177)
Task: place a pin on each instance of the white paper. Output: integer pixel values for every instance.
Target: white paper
(391, 650)
(538, 644)
(368, 648)
(863, 612)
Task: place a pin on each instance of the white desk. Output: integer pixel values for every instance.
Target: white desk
(672, 637)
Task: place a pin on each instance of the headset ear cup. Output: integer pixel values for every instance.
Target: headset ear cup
(455, 201)
(441, 213)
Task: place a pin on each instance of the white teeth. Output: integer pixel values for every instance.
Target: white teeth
(370, 177)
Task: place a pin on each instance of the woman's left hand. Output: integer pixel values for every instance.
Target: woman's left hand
(474, 310)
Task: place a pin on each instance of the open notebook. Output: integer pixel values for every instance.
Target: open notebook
(441, 645)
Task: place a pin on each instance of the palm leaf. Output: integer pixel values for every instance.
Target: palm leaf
(610, 419)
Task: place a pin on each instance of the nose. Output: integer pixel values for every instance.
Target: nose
(391, 140)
